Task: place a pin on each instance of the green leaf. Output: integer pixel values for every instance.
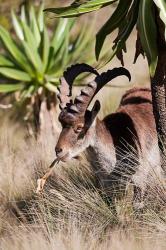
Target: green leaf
(78, 9)
(29, 36)
(60, 33)
(148, 33)
(31, 48)
(40, 18)
(34, 25)
(6, 62)
(11, 47)
(52, 79)
(5, 88)
(83, 42)
(128, 27)
(161, 4)
(66, 51)
(111, 24)
(56, 61)
(33, 56)
(58, 39)
(51, 87)
(84, 33)
(23, 15)
(15, 74)
(27, 93)
(17, 26)
(45, 47)
(92, 3)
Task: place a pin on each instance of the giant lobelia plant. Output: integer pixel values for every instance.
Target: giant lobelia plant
(149, 17)
(32, 58)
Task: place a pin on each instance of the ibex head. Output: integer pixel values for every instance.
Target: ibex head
(76, 120)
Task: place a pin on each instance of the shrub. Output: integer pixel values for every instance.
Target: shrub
(33, 58)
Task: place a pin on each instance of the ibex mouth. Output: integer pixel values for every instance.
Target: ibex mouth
(63, 158)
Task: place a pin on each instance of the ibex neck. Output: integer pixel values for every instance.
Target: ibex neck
(101, 153)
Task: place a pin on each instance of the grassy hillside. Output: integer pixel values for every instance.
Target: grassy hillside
(71, 213)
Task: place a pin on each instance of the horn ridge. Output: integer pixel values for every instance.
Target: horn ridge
(85, 92)
(74, 108)
(63, 95)
(78, 100)
(66, 82)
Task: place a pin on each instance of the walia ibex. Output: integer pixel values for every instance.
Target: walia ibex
(115, 145)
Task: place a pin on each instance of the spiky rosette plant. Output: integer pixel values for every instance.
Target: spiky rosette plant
(33, 58)
(149, 17)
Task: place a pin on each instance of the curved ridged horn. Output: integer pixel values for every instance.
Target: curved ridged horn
(66, 82)
(84, 99)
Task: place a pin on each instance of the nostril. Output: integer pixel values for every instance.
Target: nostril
(58, 150)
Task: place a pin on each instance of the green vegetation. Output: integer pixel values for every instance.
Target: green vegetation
(149, 17)
(127, 14)
(33, 59)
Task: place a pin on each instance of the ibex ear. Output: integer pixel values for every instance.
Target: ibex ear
(95, 110)
(91, 115)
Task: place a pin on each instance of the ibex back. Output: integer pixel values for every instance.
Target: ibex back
(115, 145)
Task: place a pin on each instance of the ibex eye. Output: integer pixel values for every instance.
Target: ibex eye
(78, 129)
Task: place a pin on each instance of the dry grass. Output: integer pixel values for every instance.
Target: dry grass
(71, 214)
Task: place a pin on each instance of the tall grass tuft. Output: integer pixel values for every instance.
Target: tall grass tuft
(71, 213)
